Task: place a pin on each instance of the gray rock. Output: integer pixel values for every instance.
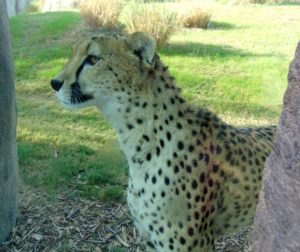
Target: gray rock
(8, 150)
(277, 222)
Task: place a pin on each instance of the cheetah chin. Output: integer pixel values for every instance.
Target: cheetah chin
(192, 177)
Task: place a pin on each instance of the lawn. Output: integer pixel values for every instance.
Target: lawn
(237, 68)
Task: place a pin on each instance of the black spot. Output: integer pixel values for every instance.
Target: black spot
(180, 114)
(178, 125)
(188, 168)
(139, 121)
(162, 143)
(146, 138)
(150, 244)
(180, 145)
(194, 132)
(169, 136)
(130, 126)
(176, 169)
(159, 172)
(167, 181)
(218, 149)
(235, 180)
(190, 231)
(153, 180)
(247, 187)
(215, 168)
(195, 163)
(202, 177)
(181, 163)
(182, 240)
(190, 121)
(157, 151)
(191, 148)
(146, 177)
(148, 157)
(194, 184)
(206, 158)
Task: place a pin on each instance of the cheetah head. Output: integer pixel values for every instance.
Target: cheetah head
(105, 69)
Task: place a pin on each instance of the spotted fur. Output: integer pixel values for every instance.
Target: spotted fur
(192, 177)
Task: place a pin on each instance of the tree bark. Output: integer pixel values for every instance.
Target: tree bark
(8, 151)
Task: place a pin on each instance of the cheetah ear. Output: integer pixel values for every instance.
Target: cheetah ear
(143, 46)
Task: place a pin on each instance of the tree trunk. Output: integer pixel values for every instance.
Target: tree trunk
(8, 151)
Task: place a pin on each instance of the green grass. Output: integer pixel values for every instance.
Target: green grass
(238, 68)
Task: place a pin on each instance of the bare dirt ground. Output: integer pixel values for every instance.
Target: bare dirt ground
(67, 223)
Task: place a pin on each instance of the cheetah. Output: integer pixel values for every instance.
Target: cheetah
(192, 177)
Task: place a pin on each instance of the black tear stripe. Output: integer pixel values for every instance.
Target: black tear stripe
(76, 94)
(80, 69)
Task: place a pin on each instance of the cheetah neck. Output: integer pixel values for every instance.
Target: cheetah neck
(146, 124)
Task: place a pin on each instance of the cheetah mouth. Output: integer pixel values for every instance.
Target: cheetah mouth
(77, 99)
(77, 96)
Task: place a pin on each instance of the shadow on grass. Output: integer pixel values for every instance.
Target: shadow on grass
(74, 169)
(215, 25)
(193, 49)
(243, 109)
(288, 3)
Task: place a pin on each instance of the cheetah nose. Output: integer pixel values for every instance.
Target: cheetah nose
(56, 84)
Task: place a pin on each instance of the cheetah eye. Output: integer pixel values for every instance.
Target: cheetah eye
(92, 59)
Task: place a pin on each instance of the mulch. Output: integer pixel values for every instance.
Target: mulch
(69, 223)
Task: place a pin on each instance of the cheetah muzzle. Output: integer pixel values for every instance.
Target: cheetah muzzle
(192, 177)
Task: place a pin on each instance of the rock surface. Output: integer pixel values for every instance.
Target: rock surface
(277, 222)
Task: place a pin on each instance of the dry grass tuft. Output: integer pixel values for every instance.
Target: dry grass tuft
(193, 14)
(101, 13)
(153, 18)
